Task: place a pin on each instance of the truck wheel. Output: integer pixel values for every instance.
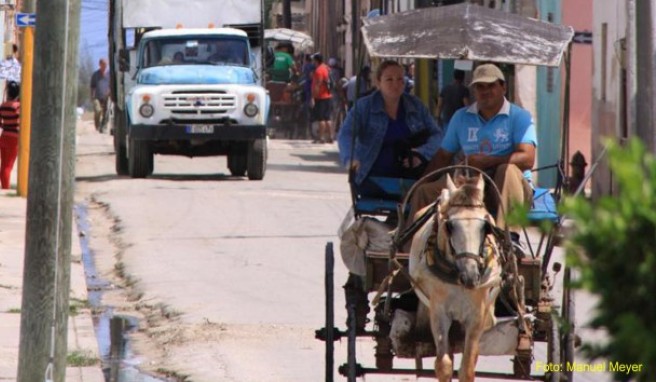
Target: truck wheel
(140, 161)
(257, 157)
(120, 151)
(237, 163)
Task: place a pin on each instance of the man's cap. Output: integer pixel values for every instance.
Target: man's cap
(487, 73)
(318, 57)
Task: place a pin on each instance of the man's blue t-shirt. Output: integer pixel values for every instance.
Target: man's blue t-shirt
(469, 132)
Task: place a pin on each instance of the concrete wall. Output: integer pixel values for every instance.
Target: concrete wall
(609, 26)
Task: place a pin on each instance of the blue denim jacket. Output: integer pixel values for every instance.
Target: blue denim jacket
(372, 121)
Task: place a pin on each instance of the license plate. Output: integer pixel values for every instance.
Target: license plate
(200, 129)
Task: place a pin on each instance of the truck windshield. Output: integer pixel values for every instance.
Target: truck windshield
(196, 51)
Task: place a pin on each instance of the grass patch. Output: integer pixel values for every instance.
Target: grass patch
(81, 359)
(14, 310)
(75, 305)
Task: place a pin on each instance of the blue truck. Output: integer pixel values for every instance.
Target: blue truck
(187, 80)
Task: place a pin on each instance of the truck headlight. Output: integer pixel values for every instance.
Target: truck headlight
(146, 110)
(251, 110)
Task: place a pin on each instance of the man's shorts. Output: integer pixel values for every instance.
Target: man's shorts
(322, 108)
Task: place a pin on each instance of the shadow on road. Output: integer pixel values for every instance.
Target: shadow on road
(325, 156)
(173, 177)
(197, 177)
(297, 167)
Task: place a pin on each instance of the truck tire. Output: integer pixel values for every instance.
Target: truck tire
(237, 164)
(120, 150)
(140, 161)
(257, 157)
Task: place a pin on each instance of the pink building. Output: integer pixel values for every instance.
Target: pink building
(578, 14)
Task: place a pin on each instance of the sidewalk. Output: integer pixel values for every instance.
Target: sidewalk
(81, 335)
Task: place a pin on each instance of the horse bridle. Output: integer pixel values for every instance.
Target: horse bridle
(480, 256)
(487, 227)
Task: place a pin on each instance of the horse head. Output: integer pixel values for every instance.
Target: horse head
(464, 226)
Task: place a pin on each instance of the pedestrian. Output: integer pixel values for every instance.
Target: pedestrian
(364, 86)
(409, 78)
(497, 137)
(338, 109)
(322, 98)
(388, 133)
(284, 66)
(100, 95)
(10, 69)
(10, 123)
(307, 69)
(452, 97)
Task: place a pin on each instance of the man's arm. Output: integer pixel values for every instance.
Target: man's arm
(92, 86)
(523, 157)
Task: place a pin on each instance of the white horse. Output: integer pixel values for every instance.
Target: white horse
(457, 273)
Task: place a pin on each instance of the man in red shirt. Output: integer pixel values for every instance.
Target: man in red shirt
(321, 99)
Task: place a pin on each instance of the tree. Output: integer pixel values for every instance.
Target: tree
(614, 250)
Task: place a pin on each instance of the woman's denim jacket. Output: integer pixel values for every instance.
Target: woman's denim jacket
(371, 119)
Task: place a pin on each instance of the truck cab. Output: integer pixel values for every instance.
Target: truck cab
(183, 86)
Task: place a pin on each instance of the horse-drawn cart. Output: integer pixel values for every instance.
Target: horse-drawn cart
(287, 118)
(522, 275)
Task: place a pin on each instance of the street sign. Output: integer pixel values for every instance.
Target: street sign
(25, 19)
(582, 37)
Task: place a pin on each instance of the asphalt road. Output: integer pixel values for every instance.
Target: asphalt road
(226, 275)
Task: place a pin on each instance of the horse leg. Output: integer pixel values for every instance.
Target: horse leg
(440, 328)
(473, 335)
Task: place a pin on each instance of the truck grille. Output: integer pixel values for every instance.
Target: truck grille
(199, 103)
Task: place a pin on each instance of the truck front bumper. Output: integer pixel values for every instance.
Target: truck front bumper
(222, 132)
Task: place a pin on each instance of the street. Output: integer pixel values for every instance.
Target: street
(226, 275)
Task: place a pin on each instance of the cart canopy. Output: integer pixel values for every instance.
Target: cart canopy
(466, 32)
(299, 39)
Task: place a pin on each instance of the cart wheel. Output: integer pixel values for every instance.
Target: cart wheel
(330, 313)
(352, 370)
(569, 324)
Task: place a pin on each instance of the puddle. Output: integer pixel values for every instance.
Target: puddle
(118, 362)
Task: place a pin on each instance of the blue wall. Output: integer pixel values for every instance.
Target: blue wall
(549, 110)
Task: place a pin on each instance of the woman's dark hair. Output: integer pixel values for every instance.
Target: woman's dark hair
(384, 65)
(13, 90)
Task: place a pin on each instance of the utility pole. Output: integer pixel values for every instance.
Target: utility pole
(646, 81)
(46, 274)
(287, 13)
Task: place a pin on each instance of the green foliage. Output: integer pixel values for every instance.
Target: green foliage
(81, 359)
(614, 250)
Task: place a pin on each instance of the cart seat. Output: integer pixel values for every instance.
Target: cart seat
(543, 207)
(381, 195)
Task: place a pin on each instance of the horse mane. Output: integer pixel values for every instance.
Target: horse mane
(467, 192)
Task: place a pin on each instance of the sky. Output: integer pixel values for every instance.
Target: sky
(93, 29)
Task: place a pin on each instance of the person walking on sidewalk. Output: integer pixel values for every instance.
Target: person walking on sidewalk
(322, 100)
(100, 95)
(9, 122)
(453, 96)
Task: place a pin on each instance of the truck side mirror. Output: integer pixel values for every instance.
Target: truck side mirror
(124, 60)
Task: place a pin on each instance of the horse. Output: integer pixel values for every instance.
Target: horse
(454, 265)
